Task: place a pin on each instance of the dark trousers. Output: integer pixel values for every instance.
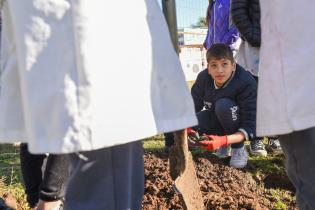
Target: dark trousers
(224, 120)
(109, 178)
(43, 181)
(299, 148)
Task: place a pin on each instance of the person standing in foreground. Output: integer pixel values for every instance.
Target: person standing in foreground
(285, 92)
(246, 17)
(70, 85)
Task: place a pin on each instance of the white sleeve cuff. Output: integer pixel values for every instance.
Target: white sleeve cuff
(244, 132)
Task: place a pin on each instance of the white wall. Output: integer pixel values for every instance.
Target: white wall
(193, 61)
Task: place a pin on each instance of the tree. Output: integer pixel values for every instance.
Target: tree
(201, 23)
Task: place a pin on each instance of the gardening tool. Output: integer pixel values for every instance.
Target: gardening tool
(181, 163)
(183, 171)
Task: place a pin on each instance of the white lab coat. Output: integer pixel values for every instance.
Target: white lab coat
(286, 101)
(248, 57)
(81, 75)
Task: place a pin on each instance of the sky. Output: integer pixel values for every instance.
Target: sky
(189, 11)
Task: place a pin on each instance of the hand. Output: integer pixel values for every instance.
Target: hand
(48, 205)
(214, 143)
(190, 131)
(192, 135)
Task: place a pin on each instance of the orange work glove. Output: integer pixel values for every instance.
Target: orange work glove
(214, 143)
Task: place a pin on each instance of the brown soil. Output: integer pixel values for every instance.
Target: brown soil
(222, 187)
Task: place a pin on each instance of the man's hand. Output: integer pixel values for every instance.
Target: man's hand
(214, 142)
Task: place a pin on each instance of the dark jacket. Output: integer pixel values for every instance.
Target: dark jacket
(246, 17)
(242, 88)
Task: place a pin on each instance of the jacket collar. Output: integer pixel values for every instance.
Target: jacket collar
(226, 83)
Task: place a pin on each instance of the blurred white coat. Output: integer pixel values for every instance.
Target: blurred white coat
(286, 101)
(81, 75)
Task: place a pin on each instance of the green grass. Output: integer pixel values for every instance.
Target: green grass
(280, 205)
(267, 165)
(261, 167)
(155, 143)
(10, 174)
(10, 164)
(281, 197)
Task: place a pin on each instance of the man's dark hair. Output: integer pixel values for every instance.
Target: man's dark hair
(220, 51)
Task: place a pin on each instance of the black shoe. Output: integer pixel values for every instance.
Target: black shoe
(274, 146)
(257, 148)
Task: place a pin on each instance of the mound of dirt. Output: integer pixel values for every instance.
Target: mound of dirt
(222, 187)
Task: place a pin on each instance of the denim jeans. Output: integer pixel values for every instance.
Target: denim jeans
(43, 180)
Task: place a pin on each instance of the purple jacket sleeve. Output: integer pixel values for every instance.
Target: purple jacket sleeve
(231, 36)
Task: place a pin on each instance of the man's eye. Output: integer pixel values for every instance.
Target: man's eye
(213, 66)
(225, 64)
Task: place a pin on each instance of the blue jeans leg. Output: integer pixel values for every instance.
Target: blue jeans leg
(208, 123)
(227, 112)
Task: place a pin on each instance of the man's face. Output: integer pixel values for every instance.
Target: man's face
(221, 70)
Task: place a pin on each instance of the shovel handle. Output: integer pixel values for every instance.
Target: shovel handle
(178, 155)
(180, 139)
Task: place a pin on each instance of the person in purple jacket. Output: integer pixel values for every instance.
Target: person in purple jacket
(220, 27)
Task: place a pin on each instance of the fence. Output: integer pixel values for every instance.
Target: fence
(192, 30)
(9, 163)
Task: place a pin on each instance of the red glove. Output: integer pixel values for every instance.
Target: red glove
(214, 143)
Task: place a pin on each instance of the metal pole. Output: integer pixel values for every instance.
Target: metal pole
(169, 10)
